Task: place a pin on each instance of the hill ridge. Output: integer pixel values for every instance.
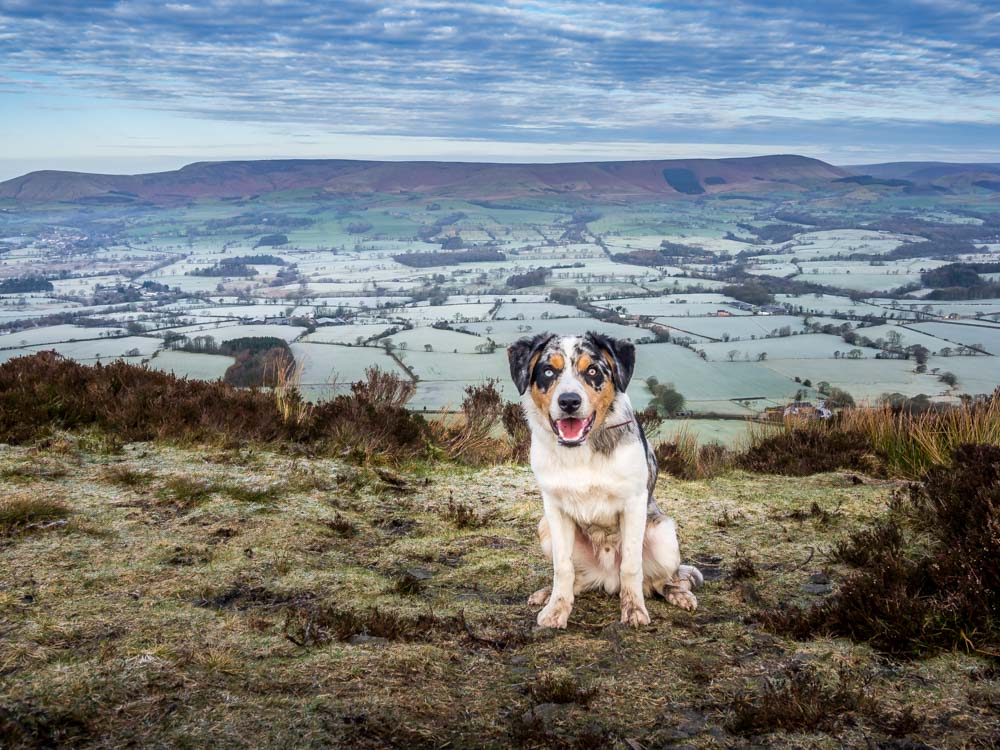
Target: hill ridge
(242, 178)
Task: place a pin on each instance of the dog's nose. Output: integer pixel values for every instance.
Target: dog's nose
(569, 402)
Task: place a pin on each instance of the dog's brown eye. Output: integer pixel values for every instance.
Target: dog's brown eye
(592, 372)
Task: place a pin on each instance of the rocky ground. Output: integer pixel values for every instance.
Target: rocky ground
(157, 596)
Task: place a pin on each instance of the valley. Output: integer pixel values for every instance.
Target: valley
(746, 292)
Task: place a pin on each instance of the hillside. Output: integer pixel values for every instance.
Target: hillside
(945, 176)
(665, 178)
(202, 596)
(921, 170)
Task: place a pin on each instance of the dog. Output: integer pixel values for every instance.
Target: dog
(602, 528)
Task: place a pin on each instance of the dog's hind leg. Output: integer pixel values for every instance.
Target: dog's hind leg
(661, 563)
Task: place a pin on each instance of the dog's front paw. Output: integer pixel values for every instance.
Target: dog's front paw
(634, 609)
(540, 598)
(634, 615)
(555, 614)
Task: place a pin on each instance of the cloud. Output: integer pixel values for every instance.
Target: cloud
(552, 71)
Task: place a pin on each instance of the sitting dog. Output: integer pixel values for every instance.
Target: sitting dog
(596, 470)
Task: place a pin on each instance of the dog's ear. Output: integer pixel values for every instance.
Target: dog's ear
(622, 356)
(520, 354)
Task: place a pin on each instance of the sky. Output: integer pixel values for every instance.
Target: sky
(135, 86)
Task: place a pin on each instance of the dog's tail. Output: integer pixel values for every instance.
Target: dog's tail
(692, 575)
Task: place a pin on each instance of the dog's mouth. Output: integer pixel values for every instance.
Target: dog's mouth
(572, 430)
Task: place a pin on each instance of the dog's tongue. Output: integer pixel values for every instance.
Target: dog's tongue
(571, 428)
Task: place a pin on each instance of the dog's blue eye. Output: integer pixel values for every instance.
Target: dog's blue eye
(549, 372)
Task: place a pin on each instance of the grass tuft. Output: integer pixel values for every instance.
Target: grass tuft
(339, 525)
(743, 567)
(124, 476)
(798, 701)
(34, 471)
(464, 516)
(186, 493)
(560, 686)
(20, 514)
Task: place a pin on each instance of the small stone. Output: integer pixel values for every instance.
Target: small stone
(819, 578)
(548, 712)
(817, 589)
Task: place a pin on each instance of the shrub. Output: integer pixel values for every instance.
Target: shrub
(666, 398)
(650, 420)
(804, 448)
(372, 424)
(685, 459)
(473, 441)
(798, 700)
(514, 422)
(837, 398)
(931, 568)
(46, 391)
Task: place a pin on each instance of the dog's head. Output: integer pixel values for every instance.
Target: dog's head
(573, 380)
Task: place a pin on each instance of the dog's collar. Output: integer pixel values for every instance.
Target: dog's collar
(620, 424)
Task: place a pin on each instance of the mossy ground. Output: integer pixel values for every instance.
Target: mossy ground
(200, 597)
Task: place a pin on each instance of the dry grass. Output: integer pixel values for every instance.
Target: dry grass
(22, 513)
(287, 377)
(909, 444)
(288, 623)
(871, 439)
(474, 440)
(683, 457)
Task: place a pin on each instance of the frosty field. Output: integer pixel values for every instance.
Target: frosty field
(406, 275)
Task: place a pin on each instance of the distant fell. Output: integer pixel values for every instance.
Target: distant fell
(237, 179)
(943, 176)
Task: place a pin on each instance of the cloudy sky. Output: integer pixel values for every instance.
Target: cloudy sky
(133, 86)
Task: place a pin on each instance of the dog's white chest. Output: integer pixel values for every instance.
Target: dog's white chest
(590, 487)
